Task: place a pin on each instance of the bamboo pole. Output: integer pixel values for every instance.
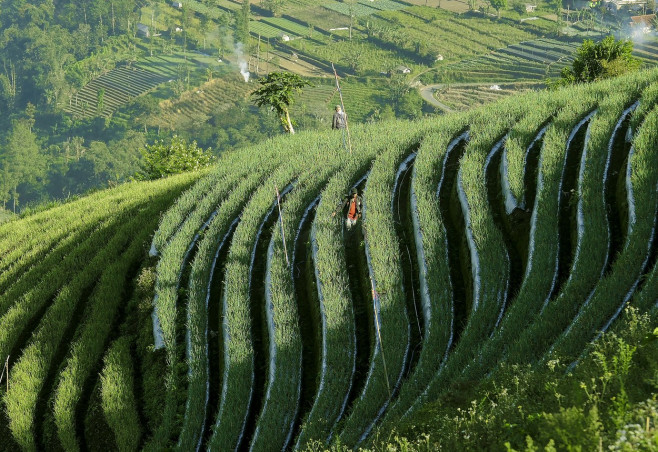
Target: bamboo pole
(342, 105)
(379, 335)
(5, 368)
(283, 235)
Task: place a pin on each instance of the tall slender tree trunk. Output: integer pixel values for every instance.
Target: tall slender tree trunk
(291, 130)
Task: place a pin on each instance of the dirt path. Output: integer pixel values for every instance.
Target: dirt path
(427, 93)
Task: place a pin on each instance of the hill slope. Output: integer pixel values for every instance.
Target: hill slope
(509, 235)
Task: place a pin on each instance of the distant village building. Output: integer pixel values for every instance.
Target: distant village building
(403, 70)
(177, 5)
(642, 24)
(530, 8)
(143, 30)
(285, 37)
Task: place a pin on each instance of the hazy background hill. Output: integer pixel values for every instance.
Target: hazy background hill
(85, 85)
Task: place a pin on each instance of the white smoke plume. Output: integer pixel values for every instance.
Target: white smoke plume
(242, 62)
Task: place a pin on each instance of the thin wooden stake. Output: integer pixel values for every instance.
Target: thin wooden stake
(6, 368)
(283, 234)
(340, 95)
(379, 335)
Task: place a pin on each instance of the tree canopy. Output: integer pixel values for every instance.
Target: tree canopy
(278, 90)
(596, 61)
(161, 159)
(498, 5)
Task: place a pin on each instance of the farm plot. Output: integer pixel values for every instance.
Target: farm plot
(529, 60)
(102, 96)
(288, 26)
(215, 96)
(360, 100)
(509, 234)
(351, 9)
(464, 97)
(264, 29)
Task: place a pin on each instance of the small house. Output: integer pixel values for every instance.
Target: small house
(530, 8)
(403, 70)
(143, 30)
(178, 5)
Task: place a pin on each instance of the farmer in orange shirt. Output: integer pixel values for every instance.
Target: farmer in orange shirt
(354, 208)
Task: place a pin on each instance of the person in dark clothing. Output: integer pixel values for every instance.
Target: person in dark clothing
(340, 119)
(353, 204)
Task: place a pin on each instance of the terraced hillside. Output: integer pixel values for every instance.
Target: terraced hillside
(103, 95)
(249, 317)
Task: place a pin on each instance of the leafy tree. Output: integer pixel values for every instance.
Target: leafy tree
(160, 159)
(410, 105)
(242, 23)
(498, 5)
(353, 57)
(20, 160)
(278, 90)
(274, 6)
(596, 61)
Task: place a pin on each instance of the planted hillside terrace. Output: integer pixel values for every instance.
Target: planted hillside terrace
(232, 309)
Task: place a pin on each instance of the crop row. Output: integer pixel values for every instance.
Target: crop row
(520, 305)
(589, 262)
(197, 320)
(281, 405)
(351, 9)
(513, 233)
(174, 260)
(203, 9)
(119, 86)
(626, 273)
(242, 301)
(31, 370)
(118, 399)
(490, 290)
(288, 26)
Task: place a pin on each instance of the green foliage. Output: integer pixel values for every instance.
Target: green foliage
(498, 5)
(544, 408)
(118, 398)
(21, 161)
(277, 90)
(597, 61)
(242, 22)
(161, 159)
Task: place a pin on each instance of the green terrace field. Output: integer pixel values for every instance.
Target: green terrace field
(389, 36)
(123, 84)
(232, 309)
(216, 95)
(458, 48)
(118, 86)
(466, 96)
(528, 60)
